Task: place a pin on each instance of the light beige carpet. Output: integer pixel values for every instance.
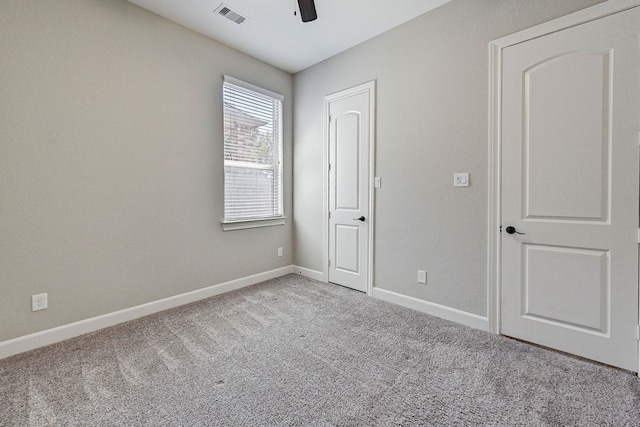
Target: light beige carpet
(292, 352)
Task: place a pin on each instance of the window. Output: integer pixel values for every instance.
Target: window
(252, 156)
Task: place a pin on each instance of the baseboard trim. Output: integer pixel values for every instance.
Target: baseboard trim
(437, 310)
(72, 330)
(307, 272)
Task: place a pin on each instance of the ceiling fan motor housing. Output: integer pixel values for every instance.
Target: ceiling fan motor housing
(307, 10)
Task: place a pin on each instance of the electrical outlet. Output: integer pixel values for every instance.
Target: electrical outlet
(279, 251)
(422, 277)
(38, 302)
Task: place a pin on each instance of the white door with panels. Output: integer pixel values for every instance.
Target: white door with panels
(570, 135)
(350, 137)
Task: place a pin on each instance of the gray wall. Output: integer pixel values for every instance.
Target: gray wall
(111, 162)
(432, 92)
(111, 179)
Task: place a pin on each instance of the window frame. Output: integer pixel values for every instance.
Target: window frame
(254, 222)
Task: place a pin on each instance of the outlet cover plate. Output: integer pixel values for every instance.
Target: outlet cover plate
(39, 302)
(422, 277)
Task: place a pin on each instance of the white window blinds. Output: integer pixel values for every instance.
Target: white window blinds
(252, 152)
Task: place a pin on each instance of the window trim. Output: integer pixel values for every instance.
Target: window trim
(254, 88)
(240, 224)
(253, 223)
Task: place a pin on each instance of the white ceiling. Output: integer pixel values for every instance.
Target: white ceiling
(274, 35)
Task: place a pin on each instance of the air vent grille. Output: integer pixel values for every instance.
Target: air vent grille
(230, 14)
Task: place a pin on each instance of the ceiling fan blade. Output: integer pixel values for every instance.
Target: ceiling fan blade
(307, 10)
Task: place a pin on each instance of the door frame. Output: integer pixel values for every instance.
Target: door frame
(370, 88)
(495, 138)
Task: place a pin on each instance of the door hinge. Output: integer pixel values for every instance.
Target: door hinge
(329, 118)
(639, 235)
(638, 332)
(329, 215)
(329, 263)
(329, 166)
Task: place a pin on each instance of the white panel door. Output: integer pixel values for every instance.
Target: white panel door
(349, 133)
(570, 127)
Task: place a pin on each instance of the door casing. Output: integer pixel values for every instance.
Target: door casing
(495, 142)
(369, 87)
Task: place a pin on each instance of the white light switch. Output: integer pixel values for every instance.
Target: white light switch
(460, 179)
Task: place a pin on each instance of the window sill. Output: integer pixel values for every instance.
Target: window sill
(255, 223)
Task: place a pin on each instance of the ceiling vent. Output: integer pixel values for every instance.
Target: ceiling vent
(230, 14)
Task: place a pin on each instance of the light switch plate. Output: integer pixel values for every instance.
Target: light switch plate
(461, 179)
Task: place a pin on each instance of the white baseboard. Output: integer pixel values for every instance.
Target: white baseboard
(311, 274)
(64, 332)
(437, 310)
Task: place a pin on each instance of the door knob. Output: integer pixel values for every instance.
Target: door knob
(359, 219)
(512, 230)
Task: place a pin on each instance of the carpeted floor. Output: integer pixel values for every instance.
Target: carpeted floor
(293, 351)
